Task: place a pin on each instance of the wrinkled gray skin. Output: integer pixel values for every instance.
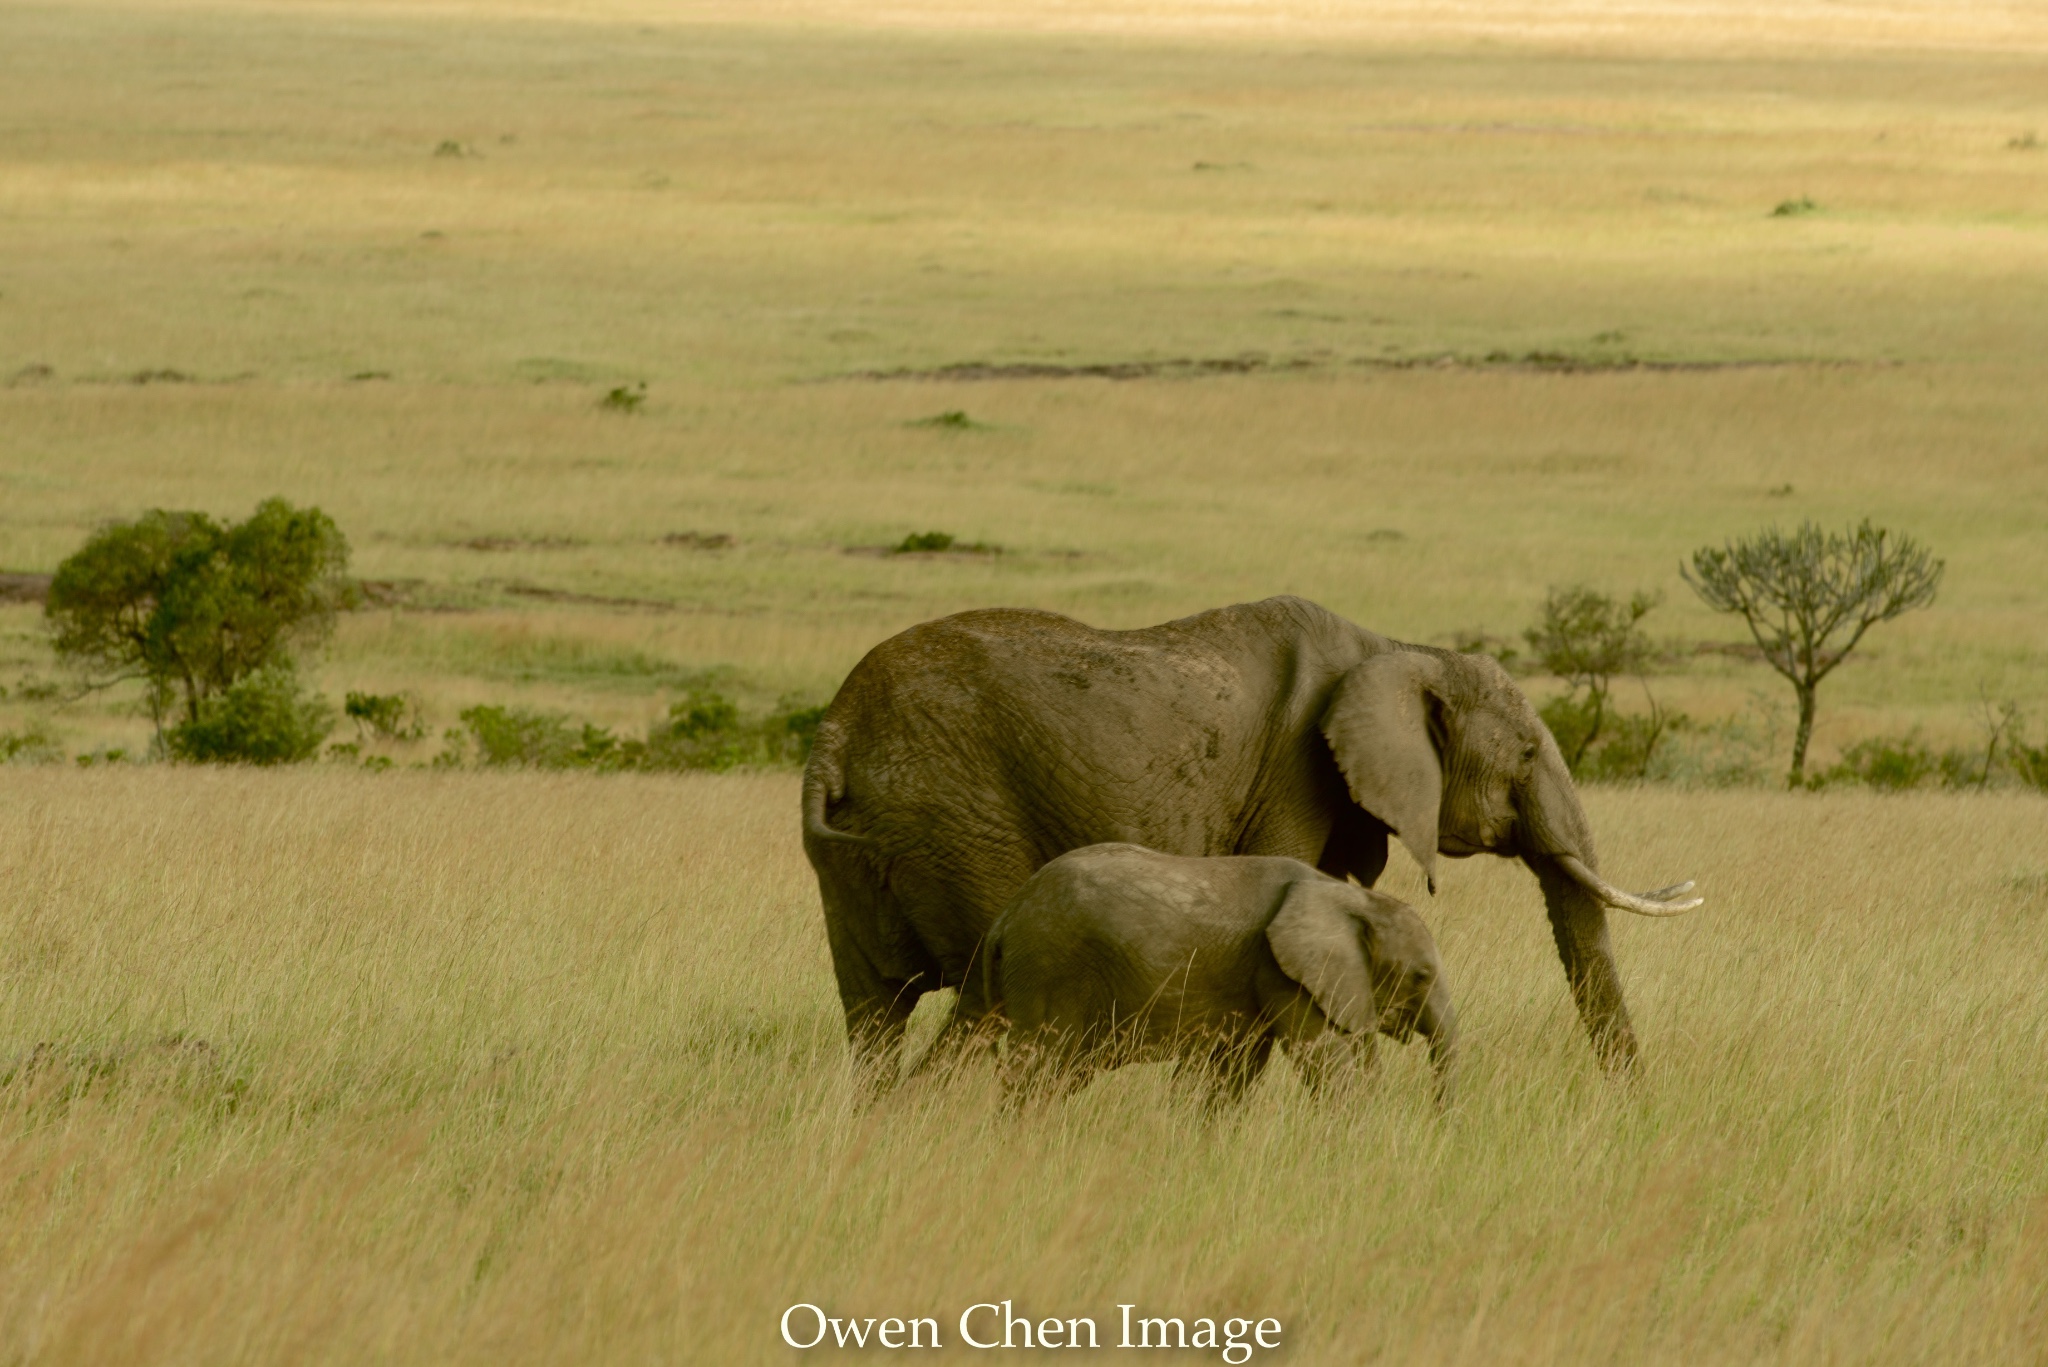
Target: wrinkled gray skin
(1118, 954)
(961, 755)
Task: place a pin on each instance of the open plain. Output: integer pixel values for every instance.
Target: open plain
(1414, 310)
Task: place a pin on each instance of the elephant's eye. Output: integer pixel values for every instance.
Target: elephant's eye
(1528, 752)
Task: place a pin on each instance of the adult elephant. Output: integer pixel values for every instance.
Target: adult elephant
(962, 754)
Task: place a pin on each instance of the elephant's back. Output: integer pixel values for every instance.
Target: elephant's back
(1061, 733)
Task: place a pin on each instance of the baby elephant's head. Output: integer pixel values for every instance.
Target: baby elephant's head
(1407, 976)
(1370, 964)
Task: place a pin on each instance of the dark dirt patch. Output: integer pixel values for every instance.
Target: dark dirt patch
(978, 551)
(521, 589)
(1741, 650)
(1178, 368)
(24, 588)
(520, 543)
(701, 541)
(1254, 363)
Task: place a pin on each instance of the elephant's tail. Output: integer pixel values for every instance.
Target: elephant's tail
(823, 783)
(992, 973)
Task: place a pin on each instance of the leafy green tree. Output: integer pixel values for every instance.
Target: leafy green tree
(1808, 597)
(1586, 638)
(192, 605)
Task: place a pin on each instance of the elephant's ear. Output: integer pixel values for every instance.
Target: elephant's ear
(1320, 943)
(1378, 725)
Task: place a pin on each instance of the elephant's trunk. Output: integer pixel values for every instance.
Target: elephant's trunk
(1438, 1023)
(1554, 831)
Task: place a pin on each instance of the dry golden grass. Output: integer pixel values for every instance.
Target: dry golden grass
(323, 1067)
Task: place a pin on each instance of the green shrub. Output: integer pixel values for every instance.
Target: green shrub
(702, 730)
(791, 729)
(33, 744)
(515, 737)
(392, 716)
(1887, 762)
(928, 543)
(265, 718)
(1901, 762)
(1586, 638)
(2029, 763)
(1608, 745)
(1732, 752)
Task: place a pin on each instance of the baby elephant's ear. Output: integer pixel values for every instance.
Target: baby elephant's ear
(1320, 944)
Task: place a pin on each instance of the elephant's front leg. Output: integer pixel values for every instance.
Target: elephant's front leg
(877, 1008)
(1227, 1067)
(1579, 925)
(1043, 1063)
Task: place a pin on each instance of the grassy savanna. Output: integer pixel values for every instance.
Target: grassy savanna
(464, 1068)
(454, 1066)
(250, 198)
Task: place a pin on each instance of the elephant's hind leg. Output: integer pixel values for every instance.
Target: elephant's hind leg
(877, 1008)
(969, 1034)
(1227, 1068)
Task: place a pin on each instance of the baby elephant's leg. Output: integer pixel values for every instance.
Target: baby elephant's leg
(1227, 1066)
(1044, 1064)
(1332, 1061)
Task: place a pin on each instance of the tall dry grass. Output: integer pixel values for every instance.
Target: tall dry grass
(326, 1067)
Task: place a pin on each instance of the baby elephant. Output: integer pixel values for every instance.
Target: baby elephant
(1115, 954)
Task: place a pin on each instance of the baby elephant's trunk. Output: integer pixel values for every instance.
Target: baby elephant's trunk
(1438, 1023)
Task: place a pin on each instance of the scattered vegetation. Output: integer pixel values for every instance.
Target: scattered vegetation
(952, 420)
(2025, 142)
(928, 543)
(32, 744)
(1896, 763)
(193, 606)
(451, 147)
(1793, 208)
(1587, 638)
(1809, 597)
(385, 716)
(702, 730)
(701, 541)
(263, 718)
(624, 398)
(925, 541)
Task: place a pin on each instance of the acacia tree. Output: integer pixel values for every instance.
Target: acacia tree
(194, 606)
(1586, 638)
(1808, 597)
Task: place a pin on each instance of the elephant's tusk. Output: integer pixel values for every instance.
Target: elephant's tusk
(1657, 903)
